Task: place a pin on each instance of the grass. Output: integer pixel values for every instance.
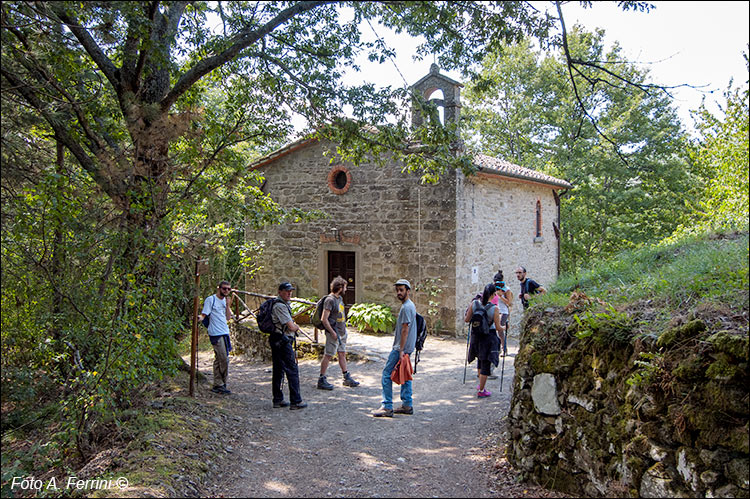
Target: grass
(711, 269)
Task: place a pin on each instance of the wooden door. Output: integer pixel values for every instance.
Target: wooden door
(341, 263)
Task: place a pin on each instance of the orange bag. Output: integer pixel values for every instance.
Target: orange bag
(402, 372)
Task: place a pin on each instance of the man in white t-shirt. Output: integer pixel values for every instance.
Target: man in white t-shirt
(218, 308)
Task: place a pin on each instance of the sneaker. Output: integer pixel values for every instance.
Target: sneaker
(404, 410)
(484, 393)
(295, 407)
(216, 389)
(283, 403)
(225, 390)
(383, 413)
(221, 390)
(323, 384)
(349, 381)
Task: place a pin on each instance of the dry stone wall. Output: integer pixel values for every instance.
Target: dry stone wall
(596, 412)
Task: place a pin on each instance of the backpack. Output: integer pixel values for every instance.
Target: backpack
(421, 336)
(317, 320)
(207, 319)
(265, 316)
(480, 326)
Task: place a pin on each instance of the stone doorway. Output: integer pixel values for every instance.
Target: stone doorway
(343, 263)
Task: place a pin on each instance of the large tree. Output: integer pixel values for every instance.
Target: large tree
(127, 127)
(620, 144)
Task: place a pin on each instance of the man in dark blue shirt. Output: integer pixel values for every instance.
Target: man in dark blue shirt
(528, 286)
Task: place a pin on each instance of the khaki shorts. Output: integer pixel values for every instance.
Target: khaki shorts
(337, 345)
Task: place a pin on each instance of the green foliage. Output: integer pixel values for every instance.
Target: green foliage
(648, 368)
(722, 156)
(710, 269)
(371, 316)
(298, 307)
(432, 287)
(523, 108)
(604, 328)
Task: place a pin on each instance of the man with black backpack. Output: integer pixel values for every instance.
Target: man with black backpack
(282, 350)
(404, 343)
(333, 320)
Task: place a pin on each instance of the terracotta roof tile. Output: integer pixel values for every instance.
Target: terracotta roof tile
(488, 164)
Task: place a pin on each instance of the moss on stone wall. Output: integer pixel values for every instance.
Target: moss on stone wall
(664, 413)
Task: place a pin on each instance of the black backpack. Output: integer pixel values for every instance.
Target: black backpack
(265, 316)
(316, 318)
(421, 336)
(480, 326)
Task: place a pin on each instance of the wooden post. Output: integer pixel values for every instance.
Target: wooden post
(194, 333)
(201, 266)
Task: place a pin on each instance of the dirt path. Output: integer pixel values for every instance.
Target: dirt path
(336, 448)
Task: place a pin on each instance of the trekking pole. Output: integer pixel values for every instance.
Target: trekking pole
(466, 357)
(505, 350)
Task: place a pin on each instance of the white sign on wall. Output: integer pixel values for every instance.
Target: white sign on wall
(474, 275)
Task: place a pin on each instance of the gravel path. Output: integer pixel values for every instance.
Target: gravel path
(334, 447)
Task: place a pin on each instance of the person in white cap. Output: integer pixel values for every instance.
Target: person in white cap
(404, 342)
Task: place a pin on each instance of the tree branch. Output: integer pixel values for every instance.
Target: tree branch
(89, 44)
(241, 41)
(569, 62)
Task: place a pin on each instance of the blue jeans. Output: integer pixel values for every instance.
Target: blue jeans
(388, 384)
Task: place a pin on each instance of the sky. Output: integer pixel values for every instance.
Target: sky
(694, 43)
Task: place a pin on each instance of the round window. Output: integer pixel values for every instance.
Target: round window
(339, 179)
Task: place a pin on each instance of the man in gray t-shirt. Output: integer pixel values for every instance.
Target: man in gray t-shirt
(334, 322)
(404, 341)
(282, 351)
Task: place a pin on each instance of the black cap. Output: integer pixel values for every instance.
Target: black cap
(285, 286)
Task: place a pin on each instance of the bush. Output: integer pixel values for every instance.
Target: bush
(371, 316)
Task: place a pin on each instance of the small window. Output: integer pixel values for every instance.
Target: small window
(538, 232)
(339, 179)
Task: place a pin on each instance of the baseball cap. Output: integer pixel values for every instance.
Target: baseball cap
(285, 286)
(403, 282)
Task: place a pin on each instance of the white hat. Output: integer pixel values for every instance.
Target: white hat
(403, 282)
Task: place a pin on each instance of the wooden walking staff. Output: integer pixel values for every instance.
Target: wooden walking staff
(201, 267)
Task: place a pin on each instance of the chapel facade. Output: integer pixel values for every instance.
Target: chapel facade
(383, 225)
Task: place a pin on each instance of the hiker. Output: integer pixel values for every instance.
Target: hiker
(404, 341)
(504, 301)
(528, 287)
(282, 351)
(217, 308)
(334, 311)
(484, 348)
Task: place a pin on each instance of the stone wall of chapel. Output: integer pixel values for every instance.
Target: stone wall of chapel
(396, 227)
(496, 230)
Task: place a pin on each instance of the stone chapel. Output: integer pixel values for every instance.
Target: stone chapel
(384, 225)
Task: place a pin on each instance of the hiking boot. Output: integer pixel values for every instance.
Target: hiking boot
(283, 403)
(323, 384)
(295, 407)
(383, 413)
(404, 409)
(349, 381)
(484, 393)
